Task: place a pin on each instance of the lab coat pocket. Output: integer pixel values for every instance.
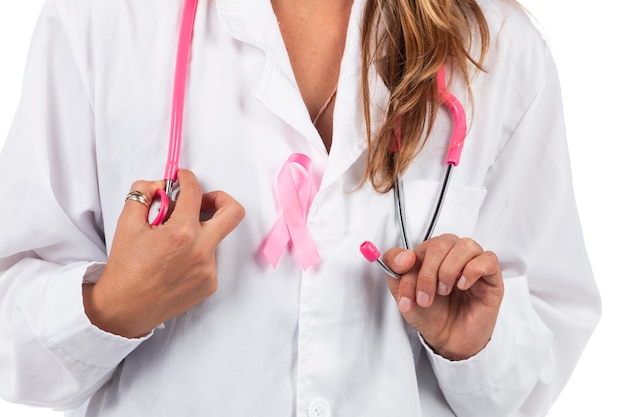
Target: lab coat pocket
(458, 215)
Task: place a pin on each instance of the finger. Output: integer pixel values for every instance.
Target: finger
(485, 266)
(189, 199)
(134, 212)
(404, 291)
(228, 214)
(431, 255)
(451, 268)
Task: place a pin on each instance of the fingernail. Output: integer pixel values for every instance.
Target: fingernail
(402, 258)
(404, 305)
(462, 284)
(422, 298)
(442, 289)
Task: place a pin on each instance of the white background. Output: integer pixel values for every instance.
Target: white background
(588, 40)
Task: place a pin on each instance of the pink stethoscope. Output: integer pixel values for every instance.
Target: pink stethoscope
(165, 199)
(368, 249)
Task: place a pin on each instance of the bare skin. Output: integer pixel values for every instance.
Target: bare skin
(314, 33)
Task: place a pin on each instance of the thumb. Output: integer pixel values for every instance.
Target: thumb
(399, 260)
(228, 213)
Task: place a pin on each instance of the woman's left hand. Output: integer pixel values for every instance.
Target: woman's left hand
(450, 292)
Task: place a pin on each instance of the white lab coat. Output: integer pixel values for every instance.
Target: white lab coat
(94, 117)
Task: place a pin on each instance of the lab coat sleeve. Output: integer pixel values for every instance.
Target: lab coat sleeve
(551, 303)
(51, 235)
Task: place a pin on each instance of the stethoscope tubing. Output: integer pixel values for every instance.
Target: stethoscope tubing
(453, 157)
(439, 205)
(180, 84)
(165, 199)
(398, 195)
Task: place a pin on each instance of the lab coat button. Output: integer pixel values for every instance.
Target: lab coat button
(319, 408)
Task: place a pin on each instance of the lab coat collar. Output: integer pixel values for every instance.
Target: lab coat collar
(250, 21)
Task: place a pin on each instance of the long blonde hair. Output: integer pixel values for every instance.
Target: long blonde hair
(407, 41)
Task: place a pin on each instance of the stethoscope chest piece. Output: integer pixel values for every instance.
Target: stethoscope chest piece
(162, 206)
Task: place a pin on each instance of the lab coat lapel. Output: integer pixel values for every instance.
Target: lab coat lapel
(349, 139)
(280, 93)
(249, 21)
(254, 22)
(349, 133)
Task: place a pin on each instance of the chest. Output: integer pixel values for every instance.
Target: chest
(314, 34)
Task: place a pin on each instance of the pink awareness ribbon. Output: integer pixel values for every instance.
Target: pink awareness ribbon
(296, 189)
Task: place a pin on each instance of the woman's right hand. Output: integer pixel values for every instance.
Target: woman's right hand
(156, 273)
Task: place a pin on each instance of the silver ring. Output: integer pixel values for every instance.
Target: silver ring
(139, 197)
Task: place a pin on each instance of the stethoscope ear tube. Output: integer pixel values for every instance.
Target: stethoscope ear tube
(439, 205)
(163, 203)
(452, 159)
(398, 195)
(459, 119)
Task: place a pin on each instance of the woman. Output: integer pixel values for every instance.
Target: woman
(105, 315)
